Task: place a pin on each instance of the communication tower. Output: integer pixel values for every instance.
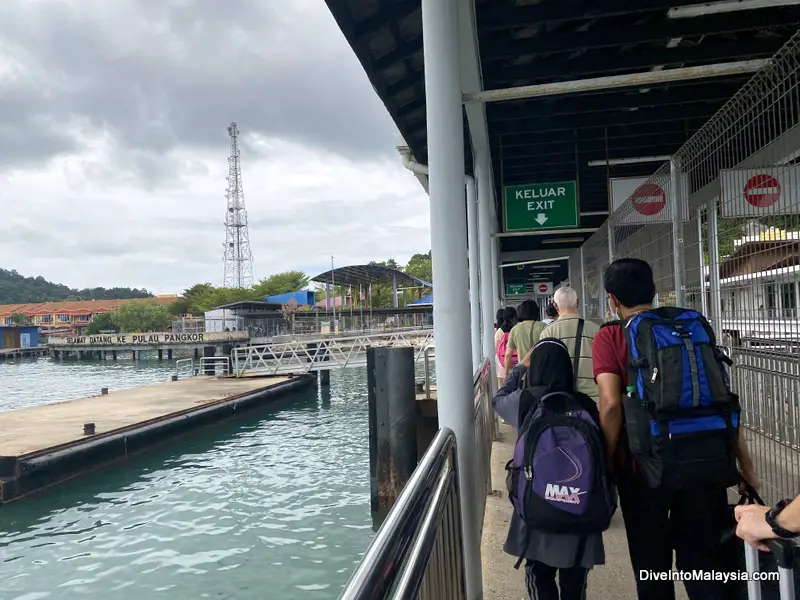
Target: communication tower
(238, 258)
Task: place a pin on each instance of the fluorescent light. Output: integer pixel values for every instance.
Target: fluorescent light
(714, 8)
(673, 43)
(628, 161)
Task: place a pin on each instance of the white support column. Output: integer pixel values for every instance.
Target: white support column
(488, 249)
(474, 272)
(676, 197)
(445, 123)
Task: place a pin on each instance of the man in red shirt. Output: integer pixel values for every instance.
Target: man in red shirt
(656, 520)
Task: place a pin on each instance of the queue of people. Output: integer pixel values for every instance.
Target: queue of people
(638, 412)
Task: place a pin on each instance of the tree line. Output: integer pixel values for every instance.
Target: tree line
(18, 289)
(198, 299)
(203, 297)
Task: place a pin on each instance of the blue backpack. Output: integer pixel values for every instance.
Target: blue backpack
(681, 419)
(557, 480)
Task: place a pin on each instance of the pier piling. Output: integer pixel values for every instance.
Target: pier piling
(392, 423)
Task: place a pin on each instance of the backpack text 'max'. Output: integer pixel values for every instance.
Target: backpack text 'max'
(557, 480)
(681, 419)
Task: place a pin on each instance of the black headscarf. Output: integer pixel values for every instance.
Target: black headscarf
(551, 366)
(551, 371)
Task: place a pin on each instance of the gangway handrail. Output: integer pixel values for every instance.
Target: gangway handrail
(214, 361)
(398, 559)
(418, 551)
(181, 364)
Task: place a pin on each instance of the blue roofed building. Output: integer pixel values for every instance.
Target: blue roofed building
(302, 297)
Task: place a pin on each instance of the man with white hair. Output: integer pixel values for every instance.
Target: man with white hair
(578, 334)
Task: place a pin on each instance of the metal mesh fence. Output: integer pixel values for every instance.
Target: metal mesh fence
(720, 226)
(595, 261)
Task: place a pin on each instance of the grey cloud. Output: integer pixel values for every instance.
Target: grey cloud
(160, 74)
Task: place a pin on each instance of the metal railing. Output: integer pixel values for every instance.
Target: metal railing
(322, 353)
(184, 367)
(724, 239)
(486, 428)
(211, 364)
(418, 551)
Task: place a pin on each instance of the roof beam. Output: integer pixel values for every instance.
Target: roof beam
(551, 12)
(663, 29)
(614, 60)
(617, 81)
(716, 92)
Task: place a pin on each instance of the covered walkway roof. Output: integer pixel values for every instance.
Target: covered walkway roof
(554, 138)
(366, 274)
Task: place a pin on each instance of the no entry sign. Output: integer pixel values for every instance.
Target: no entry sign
(762, 190)
(649, 199)
(544, 289)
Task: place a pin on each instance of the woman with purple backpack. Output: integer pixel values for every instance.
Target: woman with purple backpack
(542, 381)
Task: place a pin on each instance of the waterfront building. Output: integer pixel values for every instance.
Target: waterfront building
(14, 337)
(65, 317)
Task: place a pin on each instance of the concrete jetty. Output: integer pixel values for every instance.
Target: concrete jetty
(45, 445)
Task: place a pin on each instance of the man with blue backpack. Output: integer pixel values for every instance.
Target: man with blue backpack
(671, 425)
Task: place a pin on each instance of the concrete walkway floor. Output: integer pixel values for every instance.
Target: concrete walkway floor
(612, 581)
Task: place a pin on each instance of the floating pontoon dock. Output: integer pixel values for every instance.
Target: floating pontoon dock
(45, 445)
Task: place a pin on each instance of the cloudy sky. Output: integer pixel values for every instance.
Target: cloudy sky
(113, 142)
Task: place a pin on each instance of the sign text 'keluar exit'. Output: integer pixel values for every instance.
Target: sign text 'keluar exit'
(540, 206)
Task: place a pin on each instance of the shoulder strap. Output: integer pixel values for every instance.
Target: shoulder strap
(533, 331)
(577, 358)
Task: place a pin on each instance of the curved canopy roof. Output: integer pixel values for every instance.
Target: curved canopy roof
(366, 274)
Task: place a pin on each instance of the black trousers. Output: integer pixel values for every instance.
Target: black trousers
(690, 522)
(540, 580)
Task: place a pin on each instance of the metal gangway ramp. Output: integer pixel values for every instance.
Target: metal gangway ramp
(317, 353)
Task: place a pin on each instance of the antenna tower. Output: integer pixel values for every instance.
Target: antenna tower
(238, 259)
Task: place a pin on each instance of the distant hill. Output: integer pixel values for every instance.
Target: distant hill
(17, 289)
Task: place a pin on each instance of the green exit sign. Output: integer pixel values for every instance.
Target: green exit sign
(537, 206)
(515, 289)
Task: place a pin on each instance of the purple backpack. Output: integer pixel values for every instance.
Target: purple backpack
(557, 480)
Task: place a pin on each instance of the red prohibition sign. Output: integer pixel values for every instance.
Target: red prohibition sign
(649, 199)
(543, 288)
(762, 190)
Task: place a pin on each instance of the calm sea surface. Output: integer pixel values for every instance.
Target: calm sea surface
(274, 506)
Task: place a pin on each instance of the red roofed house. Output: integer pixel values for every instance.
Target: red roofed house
(63, 317)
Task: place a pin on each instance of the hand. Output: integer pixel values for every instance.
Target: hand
(526, 362)
(752, 526)
(749, 476)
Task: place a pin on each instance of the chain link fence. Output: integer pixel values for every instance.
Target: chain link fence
(720, 225)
